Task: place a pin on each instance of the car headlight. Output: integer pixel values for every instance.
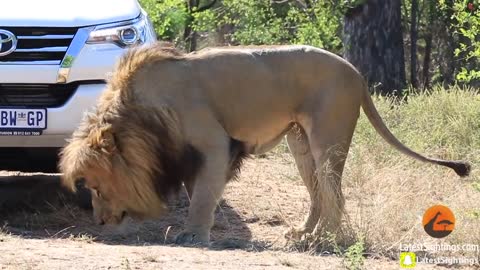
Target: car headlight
(123, 34)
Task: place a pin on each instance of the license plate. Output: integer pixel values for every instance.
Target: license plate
(22, 122)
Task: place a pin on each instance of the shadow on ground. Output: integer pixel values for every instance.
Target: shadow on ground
(37, 159)
(36, 206)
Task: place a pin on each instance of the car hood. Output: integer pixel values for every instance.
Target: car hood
(66, 13)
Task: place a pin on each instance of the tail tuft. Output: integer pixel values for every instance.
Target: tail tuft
(460, 167)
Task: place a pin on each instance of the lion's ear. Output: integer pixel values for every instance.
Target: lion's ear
(73, 163)
(102, 139)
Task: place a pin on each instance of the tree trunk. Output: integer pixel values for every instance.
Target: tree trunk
(428, 45)
(448, 73)
(413, 45)
(426, 61)
(373, 42)
(190, 38)
(189, 35)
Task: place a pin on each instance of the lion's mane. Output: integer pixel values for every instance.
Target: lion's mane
(139, 148)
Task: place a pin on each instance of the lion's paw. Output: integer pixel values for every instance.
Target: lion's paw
(189, 238)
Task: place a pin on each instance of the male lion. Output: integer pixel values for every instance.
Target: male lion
(168, 118)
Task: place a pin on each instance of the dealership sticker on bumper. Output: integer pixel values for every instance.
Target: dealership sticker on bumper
(22, 122)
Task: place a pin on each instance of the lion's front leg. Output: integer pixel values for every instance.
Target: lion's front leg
(207, 192)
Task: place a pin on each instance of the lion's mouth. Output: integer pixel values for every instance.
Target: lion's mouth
(135, 216)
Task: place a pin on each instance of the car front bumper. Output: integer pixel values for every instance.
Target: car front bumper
(61, 121)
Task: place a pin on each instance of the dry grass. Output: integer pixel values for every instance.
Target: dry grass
(4, 234)
(387, 193)
(386, 205)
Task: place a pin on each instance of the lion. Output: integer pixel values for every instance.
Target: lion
(169, 119)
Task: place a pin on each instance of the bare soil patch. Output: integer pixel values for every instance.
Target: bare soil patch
(268, 198)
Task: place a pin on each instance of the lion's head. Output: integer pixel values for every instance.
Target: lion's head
(131, 155)
(129, 160)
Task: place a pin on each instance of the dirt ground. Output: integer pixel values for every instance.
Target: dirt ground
(267, 199)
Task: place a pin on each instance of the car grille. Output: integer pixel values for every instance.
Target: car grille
(39, 45)
(36, 95)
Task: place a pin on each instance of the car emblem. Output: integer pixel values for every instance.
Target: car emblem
(8, 42)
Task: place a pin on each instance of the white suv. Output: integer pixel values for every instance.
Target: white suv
(55, 56)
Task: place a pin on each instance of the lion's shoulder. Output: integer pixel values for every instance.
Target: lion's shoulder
(138, 58)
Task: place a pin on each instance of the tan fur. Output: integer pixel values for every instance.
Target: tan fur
(161, 107)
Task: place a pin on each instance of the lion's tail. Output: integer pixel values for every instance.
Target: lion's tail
(460, 167)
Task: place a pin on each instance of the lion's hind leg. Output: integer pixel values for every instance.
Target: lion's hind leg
(330, 131)
(299, 147)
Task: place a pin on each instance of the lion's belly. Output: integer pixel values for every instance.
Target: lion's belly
(260, 136)
(259, 118)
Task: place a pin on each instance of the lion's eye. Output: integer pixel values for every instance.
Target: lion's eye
(97, 193)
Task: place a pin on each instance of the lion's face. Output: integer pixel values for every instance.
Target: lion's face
(105, 211)
(108, 207)
(112, 203)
